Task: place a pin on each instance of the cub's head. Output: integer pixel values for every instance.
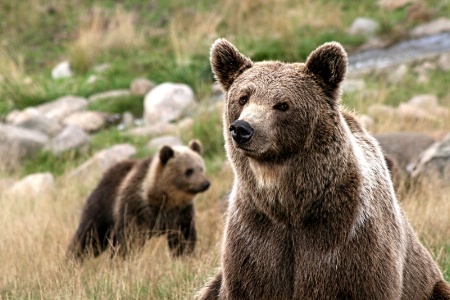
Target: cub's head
(274, 110)
(183, 169)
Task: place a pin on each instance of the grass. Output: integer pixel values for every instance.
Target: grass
(169, 41)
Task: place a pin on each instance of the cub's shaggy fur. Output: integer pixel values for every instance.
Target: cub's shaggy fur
(312, 213)
(137, 199)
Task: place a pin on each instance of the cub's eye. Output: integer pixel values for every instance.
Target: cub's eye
(281, 106)
(243, 100)
(189, 172)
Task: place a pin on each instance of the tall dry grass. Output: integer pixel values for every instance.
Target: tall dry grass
(37, 230)
(191, 32)
(101, 31)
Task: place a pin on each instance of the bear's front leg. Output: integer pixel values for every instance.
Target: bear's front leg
(182, 236)
(212, 289)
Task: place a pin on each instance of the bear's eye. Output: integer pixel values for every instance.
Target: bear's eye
(283, 106)
(243, 100)
(189, 172)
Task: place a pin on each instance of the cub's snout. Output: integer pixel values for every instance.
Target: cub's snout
(241, 131)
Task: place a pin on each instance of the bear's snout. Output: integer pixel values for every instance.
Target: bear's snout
(241, 131)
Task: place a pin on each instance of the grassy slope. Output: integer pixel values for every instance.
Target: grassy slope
(170, 42)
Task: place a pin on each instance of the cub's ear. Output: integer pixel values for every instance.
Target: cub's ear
(165, 153)
(196, 146)
(227, 63)
(329, 61)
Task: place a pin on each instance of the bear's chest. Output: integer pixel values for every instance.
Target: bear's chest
(267, 260)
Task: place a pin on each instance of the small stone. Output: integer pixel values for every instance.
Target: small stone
(62, 70)
(33, 185)
(364, 26)
(431, 28)
(353, 85)
(89, 121)
(141, 86)
(109, 95)
(398, 74)
(72, 137)
(444, 62)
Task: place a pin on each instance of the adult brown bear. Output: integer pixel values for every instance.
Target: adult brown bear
(312, 212)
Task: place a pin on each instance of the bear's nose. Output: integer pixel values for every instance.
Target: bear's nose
(241, 131)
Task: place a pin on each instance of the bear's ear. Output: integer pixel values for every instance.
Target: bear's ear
(165, 153)
(227, 63)
(196, 146)
(329, 61)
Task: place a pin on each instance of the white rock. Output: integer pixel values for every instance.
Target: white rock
(109, 95)
(398, 74)
(33, 185)
(62, 70)
(89, 121)
(364, 26)
(42, 124)
(169, 140)
(128, 119)
(167, 102)
(431, 28)
(62, 107)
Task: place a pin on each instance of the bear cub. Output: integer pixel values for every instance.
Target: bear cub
(137, 199)
(312, 213)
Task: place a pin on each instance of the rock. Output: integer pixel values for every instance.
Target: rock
(426, 102)
(101, 68)
(444, 62)
(18, 116)
(62, 107)
(169, 140)
(91, 79)
(42, 124)
(102, 161)
(217, 94)
(109, 95)
(404, 147)
(18, 143)
(431, 28)
(430, 104)
(62, 70)
(393, 4)
(128, 120)
(364, 26)
(89, 121)
(72, 137)
(141, 86)
(154, 130)
(414, 113)
(434, 162)
(167, 102)
(34, 185)
(353, 85)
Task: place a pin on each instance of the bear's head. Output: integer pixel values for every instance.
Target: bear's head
(182, 169)
(275, 110)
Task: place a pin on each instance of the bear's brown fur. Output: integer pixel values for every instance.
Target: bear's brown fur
(137, 199)
(312, 212)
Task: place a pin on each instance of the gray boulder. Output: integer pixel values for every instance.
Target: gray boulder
(19, 143)
(42, 124)
(71, 137)
(168, 102)
(434, 162)
(102, 161)
(404, 147)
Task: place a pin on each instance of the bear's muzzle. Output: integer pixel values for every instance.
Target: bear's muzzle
(241, 131)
